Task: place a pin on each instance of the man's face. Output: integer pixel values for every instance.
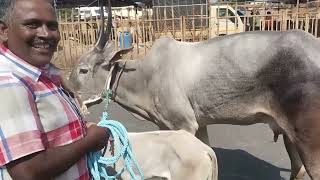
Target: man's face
(33, 33)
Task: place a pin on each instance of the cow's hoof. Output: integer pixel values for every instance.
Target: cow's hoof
(299, 175)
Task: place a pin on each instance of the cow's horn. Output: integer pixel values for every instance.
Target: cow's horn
(104, 36)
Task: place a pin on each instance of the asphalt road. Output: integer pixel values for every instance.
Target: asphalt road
(243, 152)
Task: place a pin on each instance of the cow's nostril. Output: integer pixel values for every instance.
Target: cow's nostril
(83, 71)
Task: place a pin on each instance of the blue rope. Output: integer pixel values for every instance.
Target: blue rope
(97, 162)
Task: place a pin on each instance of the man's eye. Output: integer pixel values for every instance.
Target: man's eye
(53, 26)
(32, 25)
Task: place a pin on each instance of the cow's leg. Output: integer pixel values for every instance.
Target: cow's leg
(202, 134)
(311, 160)
(297, 168)
(303, 111)
(309, 147)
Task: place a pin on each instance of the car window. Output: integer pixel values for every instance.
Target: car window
(222, 12)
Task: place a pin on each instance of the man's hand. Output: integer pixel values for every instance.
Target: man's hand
(97, 137)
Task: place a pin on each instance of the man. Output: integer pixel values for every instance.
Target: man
(41, 128)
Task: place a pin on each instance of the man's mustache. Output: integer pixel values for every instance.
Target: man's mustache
(42, 41)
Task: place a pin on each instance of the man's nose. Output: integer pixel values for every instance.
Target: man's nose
(44, 31)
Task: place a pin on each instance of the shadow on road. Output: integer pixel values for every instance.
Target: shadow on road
(240, 165)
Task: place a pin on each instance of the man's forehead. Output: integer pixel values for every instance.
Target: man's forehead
(34, 9)
(35, 2)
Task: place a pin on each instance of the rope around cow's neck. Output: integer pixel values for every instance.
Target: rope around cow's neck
(119, 137)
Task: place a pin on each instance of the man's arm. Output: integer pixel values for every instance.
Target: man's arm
(52, 162)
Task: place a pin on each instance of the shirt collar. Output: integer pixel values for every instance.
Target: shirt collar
(23, 66)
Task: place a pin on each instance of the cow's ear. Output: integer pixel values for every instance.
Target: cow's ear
(118, 54)
(111, 58)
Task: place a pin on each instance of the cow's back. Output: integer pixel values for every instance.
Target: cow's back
(177, 155)
(243, 74)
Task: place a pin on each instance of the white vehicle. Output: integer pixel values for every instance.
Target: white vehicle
(224, 20)
(124, 12)
(88, 12)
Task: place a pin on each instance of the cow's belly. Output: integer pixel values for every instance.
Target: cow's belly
(244, 109)
(246, 120)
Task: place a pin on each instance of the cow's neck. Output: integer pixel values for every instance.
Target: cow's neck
(131, 90)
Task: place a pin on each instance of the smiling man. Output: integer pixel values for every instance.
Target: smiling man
(33, 34)
(42, 133)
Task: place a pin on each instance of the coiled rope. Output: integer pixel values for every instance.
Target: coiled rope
(119, 136)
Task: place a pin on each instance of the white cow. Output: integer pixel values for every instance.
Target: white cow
(172, 155)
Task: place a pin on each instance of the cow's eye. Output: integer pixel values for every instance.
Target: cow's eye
(83, 71)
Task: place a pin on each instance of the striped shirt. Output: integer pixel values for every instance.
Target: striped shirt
(36, 114)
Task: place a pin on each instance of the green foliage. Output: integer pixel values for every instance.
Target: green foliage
(64, 13)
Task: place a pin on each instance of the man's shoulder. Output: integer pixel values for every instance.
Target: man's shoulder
(4, 64)
(10, 77)
(17, 70)
(7, 71)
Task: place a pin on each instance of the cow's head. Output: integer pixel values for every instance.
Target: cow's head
(89, 75)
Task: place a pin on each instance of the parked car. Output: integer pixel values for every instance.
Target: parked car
(224, 20)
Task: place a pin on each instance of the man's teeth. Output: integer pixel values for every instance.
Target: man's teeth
(44, 46)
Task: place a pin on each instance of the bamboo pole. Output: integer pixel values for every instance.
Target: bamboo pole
(91, 31)
(226, 18)
(122, 30)
(150, 32)
(165, 21)
(245, 22)
(173, 20)
(235, 17)
(254, 23)
(74, 36)
(116, 30)
(277, 24)
(80, 31)
(193, 24)
(217, 19)
(201, 24)
(306, 26)
(87, 33)
(68, 34)
(297, 15)
(312, 26)
(271, 23)
(144, 37)
(63, 41)
(137, 31)
(317, 19)
(157, 19)
(283, 22)
(96, 31)
(182, 25)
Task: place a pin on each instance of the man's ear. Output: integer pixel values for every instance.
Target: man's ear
(3, 32)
